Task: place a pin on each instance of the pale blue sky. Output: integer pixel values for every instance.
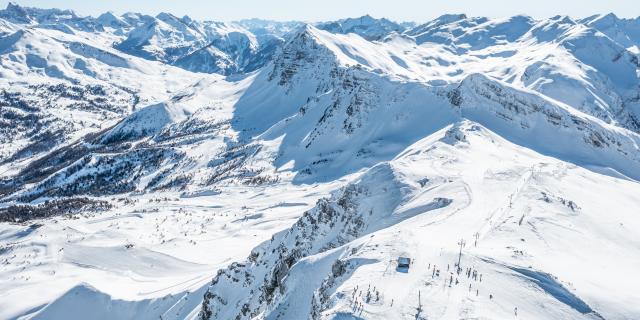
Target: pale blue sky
(318, 10)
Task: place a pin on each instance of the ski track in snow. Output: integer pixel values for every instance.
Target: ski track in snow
(163, 167)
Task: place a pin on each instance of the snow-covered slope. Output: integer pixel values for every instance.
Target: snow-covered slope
(162, 38)
(314, 157)
(626, 32)
(331, 115)
(198, 46)
(58, 87)
(233, 52)
(530, 240)
(207, 46)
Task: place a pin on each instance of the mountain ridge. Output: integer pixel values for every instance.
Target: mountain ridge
(162, 166)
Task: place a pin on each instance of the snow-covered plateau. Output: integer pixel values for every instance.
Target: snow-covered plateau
(160, 167)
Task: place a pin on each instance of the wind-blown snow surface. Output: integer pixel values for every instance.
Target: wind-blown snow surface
(162, 167)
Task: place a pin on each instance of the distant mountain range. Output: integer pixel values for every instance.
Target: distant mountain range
(164, 167)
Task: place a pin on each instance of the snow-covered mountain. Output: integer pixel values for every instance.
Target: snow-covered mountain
(163, 167)
(366, 26)
(626, 32)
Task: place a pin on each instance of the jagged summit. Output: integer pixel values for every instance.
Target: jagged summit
(111, 20)
(14, 12)
(366, 26)
(167, 167)
(624, 31)
(21, 14)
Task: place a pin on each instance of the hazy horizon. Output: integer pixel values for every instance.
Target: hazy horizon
(287, 10)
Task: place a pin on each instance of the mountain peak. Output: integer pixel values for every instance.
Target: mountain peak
(107, 14)
(304, 29)
(17, 13)
(13, 6)
(607, 20)
(186, 19)
(611, 15)
(449, 18)
(565, 19)
(336, 149)
(301, 36)
(365, 26)
(165, 16)
(110, 19)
